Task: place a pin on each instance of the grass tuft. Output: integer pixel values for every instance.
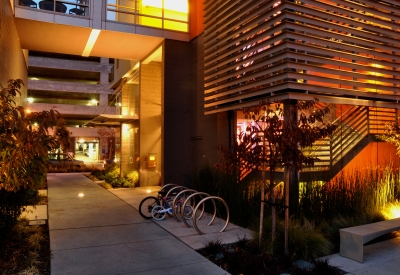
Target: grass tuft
(25, 249)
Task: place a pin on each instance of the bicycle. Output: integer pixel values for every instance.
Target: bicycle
(159, 212)
(148, 203)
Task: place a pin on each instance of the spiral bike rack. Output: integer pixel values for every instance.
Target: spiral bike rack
(200, 206)
(177, 188)
(202, 203)
(169, 184)
(202, 194)
(174, 202)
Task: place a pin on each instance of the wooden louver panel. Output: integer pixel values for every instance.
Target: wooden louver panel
(255, 49)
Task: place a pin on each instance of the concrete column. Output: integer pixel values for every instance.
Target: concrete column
(103, 99)
(151, 122)
(104, 71)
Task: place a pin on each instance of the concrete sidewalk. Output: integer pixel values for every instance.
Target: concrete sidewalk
(93, 231)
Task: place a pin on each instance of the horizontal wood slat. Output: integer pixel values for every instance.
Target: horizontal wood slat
(337, 48)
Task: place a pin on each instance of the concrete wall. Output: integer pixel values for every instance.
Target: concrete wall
(206, 131)
(65, 109)
(71, 65)
(12, 60)
(377, 153)
(150, 122)
(177, 108)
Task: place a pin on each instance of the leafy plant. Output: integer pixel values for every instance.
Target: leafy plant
(99, 174)
(111, 172)
(132, 177)
(121, 182)
(25, 249)
(62, 134)
(24, 144)
(392, 135)
(213, 247)
(274, 137)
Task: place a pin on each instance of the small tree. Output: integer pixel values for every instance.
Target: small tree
(62, 135)
(274, 137)
(24, 145)
(392, 135)
(24, 141)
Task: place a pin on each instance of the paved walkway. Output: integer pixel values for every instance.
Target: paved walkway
(381, 258)
(101, 232)
(94, 231)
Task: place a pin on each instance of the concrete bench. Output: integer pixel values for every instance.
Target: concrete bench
(352, 239)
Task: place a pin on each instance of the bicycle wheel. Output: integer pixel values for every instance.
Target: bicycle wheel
(158, 213)
(188, 213)
(146, 205)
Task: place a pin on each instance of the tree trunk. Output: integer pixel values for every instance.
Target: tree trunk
(272, 200)
(294, 192)
(262, 198)
(287, 178)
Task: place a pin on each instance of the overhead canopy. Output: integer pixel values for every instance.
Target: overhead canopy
(111, 120)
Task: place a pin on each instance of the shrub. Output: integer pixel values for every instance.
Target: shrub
(305, 240)
(11, 206)
(112, 172)
(99, 174)
(132, 177)
(120, 182)
(25, 250)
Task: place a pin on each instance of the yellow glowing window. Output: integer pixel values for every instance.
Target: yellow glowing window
(152, 158)
(170, 9)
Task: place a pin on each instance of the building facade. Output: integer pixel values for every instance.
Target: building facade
(344, 53)
(181, 92)
(78, 88)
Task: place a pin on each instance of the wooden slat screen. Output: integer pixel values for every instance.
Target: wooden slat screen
(256, 49)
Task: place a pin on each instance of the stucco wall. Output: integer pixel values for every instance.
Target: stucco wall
(12, 60)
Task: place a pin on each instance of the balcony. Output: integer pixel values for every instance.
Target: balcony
(96, 28)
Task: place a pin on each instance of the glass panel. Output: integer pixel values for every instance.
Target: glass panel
(179, 6)
(176, 26)
(151, 7)
(79, 8)
(29, 3)
(151, 22)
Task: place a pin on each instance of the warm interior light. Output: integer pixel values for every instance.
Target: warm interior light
(30, 99)
(93, 102)
(94, 34)
(148, 191)
(81, 195)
